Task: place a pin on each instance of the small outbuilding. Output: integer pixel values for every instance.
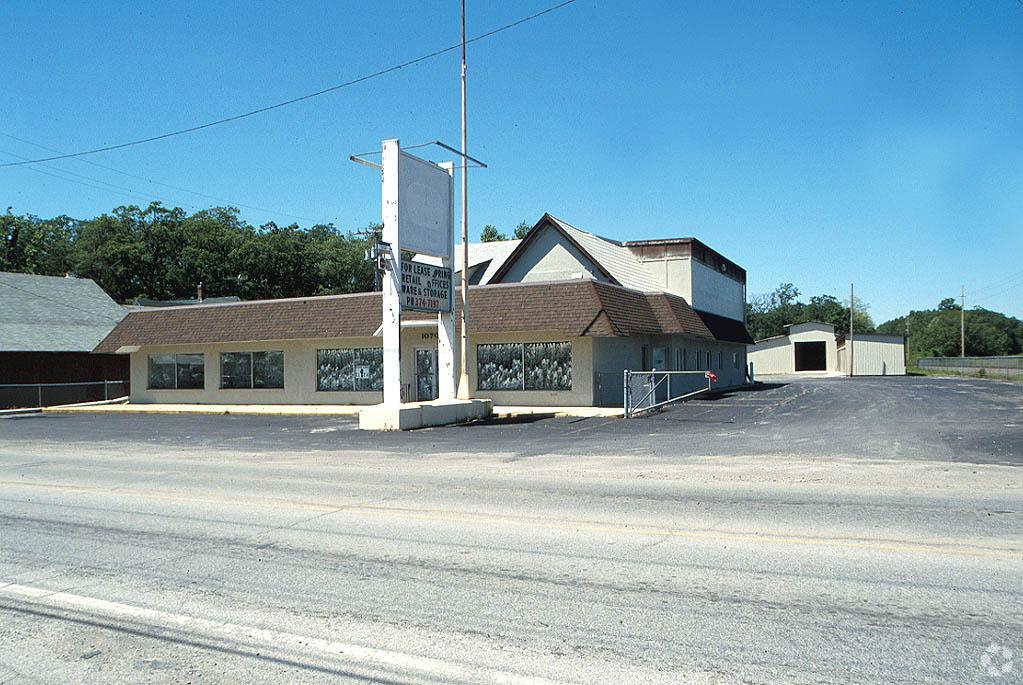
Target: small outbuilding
(814, 348)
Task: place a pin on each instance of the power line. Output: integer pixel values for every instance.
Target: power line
(998, 285)
(117, 190)
(1006, 287)
(59, 302)
(301, 98)
(149, 180)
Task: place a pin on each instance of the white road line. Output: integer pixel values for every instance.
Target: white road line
(266, 641)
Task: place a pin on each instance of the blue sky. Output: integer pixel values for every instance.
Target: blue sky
(818, 143)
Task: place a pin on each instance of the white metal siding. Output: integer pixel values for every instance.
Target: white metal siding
(772, 356)
(778, 355)
(876, 356)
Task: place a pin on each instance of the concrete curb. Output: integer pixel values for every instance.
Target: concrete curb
(58, 407)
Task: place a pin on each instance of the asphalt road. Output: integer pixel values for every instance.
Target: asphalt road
(831, 531)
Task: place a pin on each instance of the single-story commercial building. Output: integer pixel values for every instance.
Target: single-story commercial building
(561, 314)
(814, 348)
(49, 326)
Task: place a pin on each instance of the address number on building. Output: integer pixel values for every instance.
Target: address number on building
(424, 287)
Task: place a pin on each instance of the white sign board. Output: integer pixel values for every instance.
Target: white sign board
(425, 207)
(424, 287)
(417, 211)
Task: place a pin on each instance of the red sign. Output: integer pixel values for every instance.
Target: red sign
(711, 377)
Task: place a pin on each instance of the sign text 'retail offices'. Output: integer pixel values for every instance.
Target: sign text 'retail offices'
(425, 288)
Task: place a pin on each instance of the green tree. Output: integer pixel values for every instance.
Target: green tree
(936, 332)
(767, 315)
(522, 230)
(490, 234)
(32, 245)
(948, 304)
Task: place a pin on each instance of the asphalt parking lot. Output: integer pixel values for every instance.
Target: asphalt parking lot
(826, 531)
(873, 418)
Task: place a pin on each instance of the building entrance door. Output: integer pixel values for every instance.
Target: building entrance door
(811, 356)
(426, 374)
(660, 363)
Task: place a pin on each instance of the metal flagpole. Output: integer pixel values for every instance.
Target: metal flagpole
(463, 342)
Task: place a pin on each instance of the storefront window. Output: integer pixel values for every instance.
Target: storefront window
(524, 366)
(190, 371)
(244, 370)
(350, 369)
(175, 372)
(548, 366)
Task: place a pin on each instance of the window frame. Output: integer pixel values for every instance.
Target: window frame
(177, 365)
(524, 371)
(252, 376)
(355, 380)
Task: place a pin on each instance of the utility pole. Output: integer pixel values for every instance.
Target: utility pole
(463, 342)
(852, 308)
(962, 322)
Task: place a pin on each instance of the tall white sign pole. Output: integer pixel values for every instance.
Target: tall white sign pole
(463, 343)
(391, 285)
(446, 320)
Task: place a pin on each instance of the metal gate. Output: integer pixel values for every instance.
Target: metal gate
(648, 390)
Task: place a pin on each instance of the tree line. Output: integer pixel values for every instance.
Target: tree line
(929, 332)
(490, 234)
(936, 332)
(768, 315)
(162, 253)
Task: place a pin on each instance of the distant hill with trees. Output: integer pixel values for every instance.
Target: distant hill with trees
(935, 332)
(162, 253)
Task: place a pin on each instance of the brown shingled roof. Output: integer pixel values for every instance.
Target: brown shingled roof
(571, 308)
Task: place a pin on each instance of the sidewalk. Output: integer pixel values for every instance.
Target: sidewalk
(267, 409)
(500, 412)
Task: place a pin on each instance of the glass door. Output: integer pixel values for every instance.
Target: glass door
(426, 374)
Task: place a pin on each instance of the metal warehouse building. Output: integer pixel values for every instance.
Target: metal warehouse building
(554, 321)
(813, 348)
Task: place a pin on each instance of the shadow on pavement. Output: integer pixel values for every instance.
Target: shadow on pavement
(756, 387)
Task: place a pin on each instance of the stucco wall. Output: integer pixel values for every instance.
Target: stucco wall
(700, 285)
(675, 274)
(581, 394)
(549, 257)
(613, 355)
(300, 372)
(299, 375)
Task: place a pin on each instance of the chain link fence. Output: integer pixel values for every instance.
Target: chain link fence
(998, 367)
(29, 395)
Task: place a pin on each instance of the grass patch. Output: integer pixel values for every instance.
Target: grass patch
(985, 374)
